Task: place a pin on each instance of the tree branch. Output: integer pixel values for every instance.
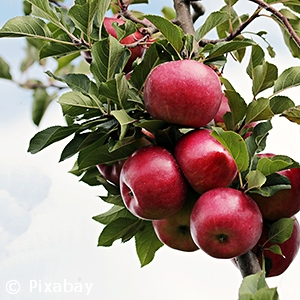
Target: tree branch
(184, 17)
(199, 10)
(248, 264)
(281, 17)
(235, 33)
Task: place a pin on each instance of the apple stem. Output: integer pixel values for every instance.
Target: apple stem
(248, 264)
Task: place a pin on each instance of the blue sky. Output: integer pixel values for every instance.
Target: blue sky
(46, 230)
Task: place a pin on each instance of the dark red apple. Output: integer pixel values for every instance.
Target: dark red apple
(137, 51)
(151, 183)
(276, 264)
(175, 230)
(184, 92)
(225, 223)
(111, 172)
(205, 163)
(285, 203)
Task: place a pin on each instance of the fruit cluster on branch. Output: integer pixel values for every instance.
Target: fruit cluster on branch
(155, 121)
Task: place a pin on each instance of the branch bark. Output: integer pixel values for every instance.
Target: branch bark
(281, 17)
(184, 17)
(248, 264)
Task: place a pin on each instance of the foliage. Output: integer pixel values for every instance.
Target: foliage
(104, 109)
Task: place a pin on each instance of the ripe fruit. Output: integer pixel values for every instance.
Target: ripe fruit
(205, 163)
(283, 204)
(224, 107)
(132, 38)
(151, 183)
(111, 172)
(275, 263)
(225, 223)
(184, 92)
(175, 230)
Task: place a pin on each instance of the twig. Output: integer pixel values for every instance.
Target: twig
(235, 33)
(281, 17)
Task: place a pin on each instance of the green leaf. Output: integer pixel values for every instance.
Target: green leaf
(42, 9)
(25, 26)
(141, 71)
(123, 30)
(235, 145)
(293, 4)
(292, 114)
(114, 213)
(259, 110)
(171, 32)
(104, 6)
(212, 21)
(237, 104)
(124, 119)
(58, 48)
(281, 230)
(266, 294)
(41, 101)
(147, 244)
(75, 103)
(288, 79)
(274, 249)
(83, 15)
(116, 90)
(73, 146)
(91, 177)
(251, 284)
(49, 136)
(256, 142)
(295, 23)
(263, 77)
(256, 59)
(255, 179)
(121, 228)
(109, 58)
(98, 153)
(76, 82)
(4, 70)
(279, 104)
(225, 47)
(275, 182)
(270, 165)
(169, 12)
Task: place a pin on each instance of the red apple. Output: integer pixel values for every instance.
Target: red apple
(224, 107)
(175, 230)
(151, 183)
(205, 163)
(225, 223)
(275, 263)
(285, 203)
(111, 172)
(132, 38)
(184, 92)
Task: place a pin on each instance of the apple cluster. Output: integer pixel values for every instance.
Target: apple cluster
(187, 192)
(135, 52)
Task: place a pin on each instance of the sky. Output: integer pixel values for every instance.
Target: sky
(47, 236)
